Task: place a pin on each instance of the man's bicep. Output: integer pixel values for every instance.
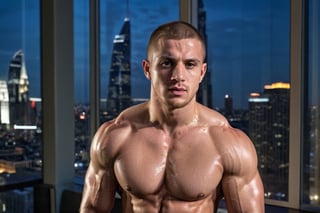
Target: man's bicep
(244, 195)
(252, 194)
(99, 190)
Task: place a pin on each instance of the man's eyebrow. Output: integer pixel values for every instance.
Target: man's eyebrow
(192, 60)
(174, 58)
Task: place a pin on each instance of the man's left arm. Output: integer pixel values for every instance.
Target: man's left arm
(242, 185)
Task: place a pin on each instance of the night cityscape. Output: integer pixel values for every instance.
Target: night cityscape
(265, 121)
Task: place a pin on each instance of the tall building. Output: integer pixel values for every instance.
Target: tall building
(4, 103)
(119, 89)
(311, 177)
(18, 88)
(269, 130)
(228, 106)
(204, 94)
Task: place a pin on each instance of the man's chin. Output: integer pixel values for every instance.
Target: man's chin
(176, 104)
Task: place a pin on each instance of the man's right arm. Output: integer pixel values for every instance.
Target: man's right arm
(100, 183)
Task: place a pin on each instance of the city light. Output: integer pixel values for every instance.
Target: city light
(314, 197)
(258, 99)
(25, 127)
(277, 85)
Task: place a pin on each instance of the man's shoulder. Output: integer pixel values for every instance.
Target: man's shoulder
(109, 139)
(224, 136)
(125, 118)
(133, 114)
(235, 146)
(212, 118)
(228, 137)
(113, 134)
(120, 127)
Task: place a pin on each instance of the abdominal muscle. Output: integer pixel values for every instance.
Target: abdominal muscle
(165, 204)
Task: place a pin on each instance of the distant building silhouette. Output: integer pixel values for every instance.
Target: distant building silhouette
(228, 106)
(119, 89)
(18, 89)
(269, 130)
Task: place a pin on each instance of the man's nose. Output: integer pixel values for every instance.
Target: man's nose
(178, 73)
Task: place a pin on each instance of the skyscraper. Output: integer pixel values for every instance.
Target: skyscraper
(18, 88)
(228, 106)
(311, 146)
(119, 89)
(269, 130)
(4, 103)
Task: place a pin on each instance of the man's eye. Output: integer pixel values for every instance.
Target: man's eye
(166, 63)
(190, 65)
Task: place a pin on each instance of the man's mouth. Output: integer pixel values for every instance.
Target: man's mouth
(178, 91)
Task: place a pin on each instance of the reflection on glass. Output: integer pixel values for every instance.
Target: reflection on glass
(311, 142)
(248, 56)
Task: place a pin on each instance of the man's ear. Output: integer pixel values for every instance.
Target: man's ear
(203, 71)
(146, 68)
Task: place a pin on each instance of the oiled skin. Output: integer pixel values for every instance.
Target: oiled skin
(172, 154)
(173, 172)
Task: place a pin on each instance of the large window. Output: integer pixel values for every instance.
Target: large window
(20, 103)
(311, 139)
(248, 81)
(248, 56)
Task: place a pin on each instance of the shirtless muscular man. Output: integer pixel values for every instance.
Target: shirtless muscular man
(172, 154)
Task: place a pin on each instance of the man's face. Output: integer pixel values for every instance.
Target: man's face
(175, 69)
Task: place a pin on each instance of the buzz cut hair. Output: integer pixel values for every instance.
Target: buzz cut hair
(176, 30)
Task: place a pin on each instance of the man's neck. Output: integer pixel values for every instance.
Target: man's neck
(172, 118)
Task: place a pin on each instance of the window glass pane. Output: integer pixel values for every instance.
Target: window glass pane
(81, 86)
(20, 140)
(125, 29)
(311, 142)
(248, 56)
(20, 103)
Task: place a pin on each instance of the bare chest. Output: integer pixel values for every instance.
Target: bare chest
(185, 167)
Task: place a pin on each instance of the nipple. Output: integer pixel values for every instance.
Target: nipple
(201, 195)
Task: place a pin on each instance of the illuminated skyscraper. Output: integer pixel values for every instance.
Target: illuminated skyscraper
(4, 103)
(18, 88)
(228, 106)
(119, 89)
(269, 130)
(204, 94)
(311, 176)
